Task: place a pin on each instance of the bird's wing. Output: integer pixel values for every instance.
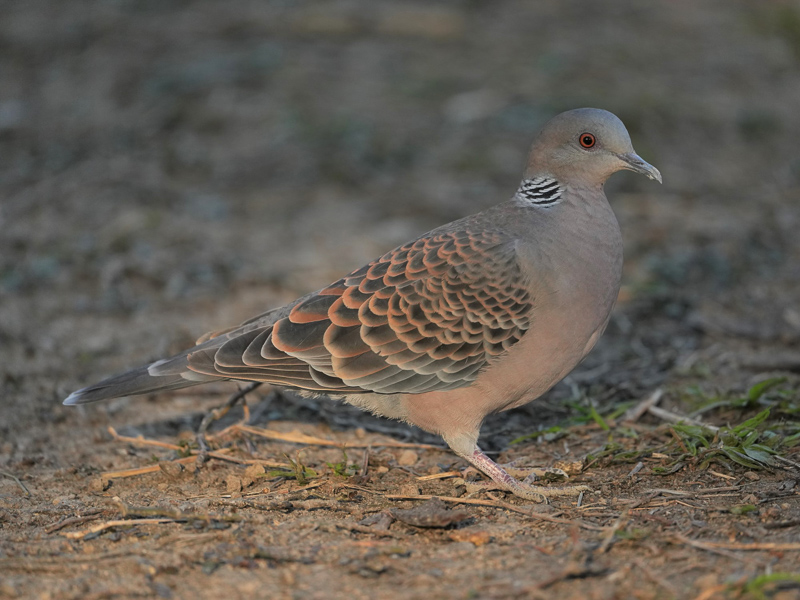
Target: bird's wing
(426, 316)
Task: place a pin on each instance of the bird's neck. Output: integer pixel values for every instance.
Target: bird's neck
(541, 191)
(546, 191)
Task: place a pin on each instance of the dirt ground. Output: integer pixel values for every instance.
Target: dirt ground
(170, 167)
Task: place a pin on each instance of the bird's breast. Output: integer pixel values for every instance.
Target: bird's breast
(574, 269)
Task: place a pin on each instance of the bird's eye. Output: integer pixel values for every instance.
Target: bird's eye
(587, 140)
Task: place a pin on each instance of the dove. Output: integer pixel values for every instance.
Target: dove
(475, 317)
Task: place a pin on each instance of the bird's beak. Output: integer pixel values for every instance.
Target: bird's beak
(636, 163)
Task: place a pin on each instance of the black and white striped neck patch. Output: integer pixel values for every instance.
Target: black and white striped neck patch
(541, 191)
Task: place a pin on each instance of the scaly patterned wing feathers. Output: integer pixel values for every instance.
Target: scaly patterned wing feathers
(426, 316)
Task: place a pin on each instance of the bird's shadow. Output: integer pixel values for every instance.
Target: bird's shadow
(282, 405)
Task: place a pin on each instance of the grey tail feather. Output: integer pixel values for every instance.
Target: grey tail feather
(167, 374)
(131, 383)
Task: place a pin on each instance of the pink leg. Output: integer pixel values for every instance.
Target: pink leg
(519, 488)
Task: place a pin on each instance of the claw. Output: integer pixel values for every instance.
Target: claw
(502, 479)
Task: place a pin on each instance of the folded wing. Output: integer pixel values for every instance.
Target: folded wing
(426, 316)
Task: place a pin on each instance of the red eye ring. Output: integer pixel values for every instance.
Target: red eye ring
(587, 140)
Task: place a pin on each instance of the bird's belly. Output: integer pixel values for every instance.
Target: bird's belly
(556, 342)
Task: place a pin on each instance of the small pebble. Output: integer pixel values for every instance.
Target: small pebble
(233, 484)
(98, 484)
(476, 538)
(707, 581)
(380, 521)
(407, 458)
(171, 469)
(252, 474)
(409, 489)
(254, 471)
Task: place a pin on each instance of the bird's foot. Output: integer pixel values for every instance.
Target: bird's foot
(521, 489)
(503, 479)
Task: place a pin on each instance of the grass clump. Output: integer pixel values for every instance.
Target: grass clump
(766, 586)
(298, 470)
(341, 468)
(751, 444)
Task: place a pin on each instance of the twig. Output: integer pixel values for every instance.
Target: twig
(301, 438)
(498, 504)
(333, 526)
(573, 570)
(19, 483)
(773, 496)
(243, 421)
(712, 592)
(285, 505)
(635, 413)
(639, 466)
(142, 470)
(787, 461)
(126, 510)
(148, 515)
(188, 460)
(310, 486)
(755, 546)
(652, 494)
(61, 562)
(655, 578)
(590, 465)
(320, 503)
(724, 549)
(68, 522)
(719, 551)
(78, 535)
(612, 531)
(365, 462)
(691, 493)
(672, 417)
(781, 524)
(216, 414)
(141, 441)
(444, 475)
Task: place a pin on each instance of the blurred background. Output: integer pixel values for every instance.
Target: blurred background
(169, 167)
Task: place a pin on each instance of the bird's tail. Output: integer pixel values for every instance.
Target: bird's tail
(131, 383)
(169, 374)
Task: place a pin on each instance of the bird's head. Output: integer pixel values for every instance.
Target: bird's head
(585, 145)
